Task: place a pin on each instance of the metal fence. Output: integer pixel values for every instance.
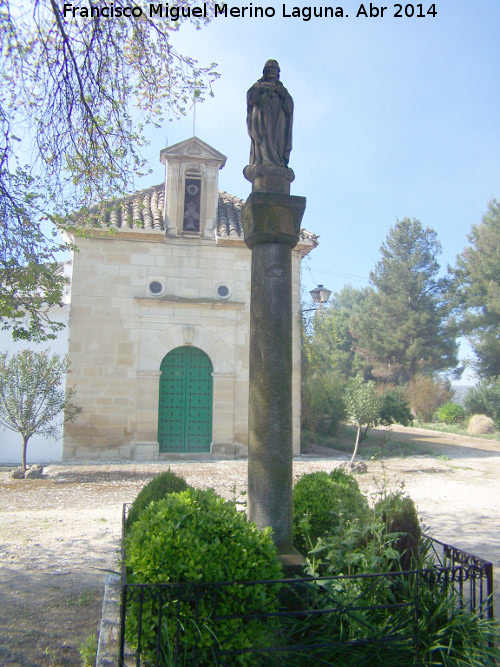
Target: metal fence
(470, 576)
(364, 619)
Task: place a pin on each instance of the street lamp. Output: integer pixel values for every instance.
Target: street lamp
(320, 294)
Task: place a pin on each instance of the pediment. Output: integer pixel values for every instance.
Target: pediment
(193, 149)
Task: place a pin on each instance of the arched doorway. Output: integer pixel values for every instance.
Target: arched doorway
(185, 405)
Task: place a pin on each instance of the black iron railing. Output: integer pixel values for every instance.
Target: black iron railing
(472, 576)
(363, 619)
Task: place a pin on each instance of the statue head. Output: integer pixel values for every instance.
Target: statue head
(271, 70)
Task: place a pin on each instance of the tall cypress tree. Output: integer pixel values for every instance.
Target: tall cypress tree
(403, 330)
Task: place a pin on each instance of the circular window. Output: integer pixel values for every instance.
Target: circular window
(155, 287)
(223, 291)
(192, 190)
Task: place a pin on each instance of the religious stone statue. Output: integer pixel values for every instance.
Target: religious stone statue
(269, 119)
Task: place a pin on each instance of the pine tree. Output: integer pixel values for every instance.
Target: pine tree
(330, 343)
(404, 329)
(477, 292)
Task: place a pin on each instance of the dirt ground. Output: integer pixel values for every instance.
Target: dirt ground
(59, 534)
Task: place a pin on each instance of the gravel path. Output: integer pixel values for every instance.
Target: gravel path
(58, 534)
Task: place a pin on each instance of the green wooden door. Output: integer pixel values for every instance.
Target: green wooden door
(185, 406)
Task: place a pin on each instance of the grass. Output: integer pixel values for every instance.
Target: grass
(88, 650)
(84, 598)
(456, 429)
(374, 445)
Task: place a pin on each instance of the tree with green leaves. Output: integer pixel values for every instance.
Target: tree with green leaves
(484, 399)
(476, 288)
(394, 408)
(322, 402)
(404, 327)
(73, 87)
(32, 397)
(328, 360)
(330, 344)
(362, 406)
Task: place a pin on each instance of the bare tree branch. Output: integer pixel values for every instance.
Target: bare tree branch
(72, 88)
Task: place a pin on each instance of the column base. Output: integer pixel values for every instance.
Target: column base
(293, 563)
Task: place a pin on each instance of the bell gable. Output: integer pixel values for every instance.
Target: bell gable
(191, 188)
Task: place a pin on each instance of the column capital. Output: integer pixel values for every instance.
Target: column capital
(268, 217)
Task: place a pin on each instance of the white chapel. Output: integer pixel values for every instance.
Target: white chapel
(159, 320)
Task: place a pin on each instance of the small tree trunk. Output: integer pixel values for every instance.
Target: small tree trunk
(356, 445)
(364, 432)
(25, 447)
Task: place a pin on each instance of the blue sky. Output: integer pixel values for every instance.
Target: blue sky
(394, 117)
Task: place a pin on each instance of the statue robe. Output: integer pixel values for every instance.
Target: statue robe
(269, 123)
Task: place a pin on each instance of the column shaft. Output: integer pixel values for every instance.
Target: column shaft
(270, 408)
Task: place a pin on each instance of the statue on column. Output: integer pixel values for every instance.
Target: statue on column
(269, 119)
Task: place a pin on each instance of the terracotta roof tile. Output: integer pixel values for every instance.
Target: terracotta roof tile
(229, 216)
(144, 211)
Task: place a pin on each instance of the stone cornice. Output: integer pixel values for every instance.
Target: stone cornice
(184, 302)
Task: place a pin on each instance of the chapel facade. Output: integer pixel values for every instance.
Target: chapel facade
(159, 321)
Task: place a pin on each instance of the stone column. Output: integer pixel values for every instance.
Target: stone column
(271, 222)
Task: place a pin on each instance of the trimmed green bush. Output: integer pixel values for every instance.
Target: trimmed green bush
(451, 413)
(197, 536)
(159, 487)
(399, 514)
(321, 503)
